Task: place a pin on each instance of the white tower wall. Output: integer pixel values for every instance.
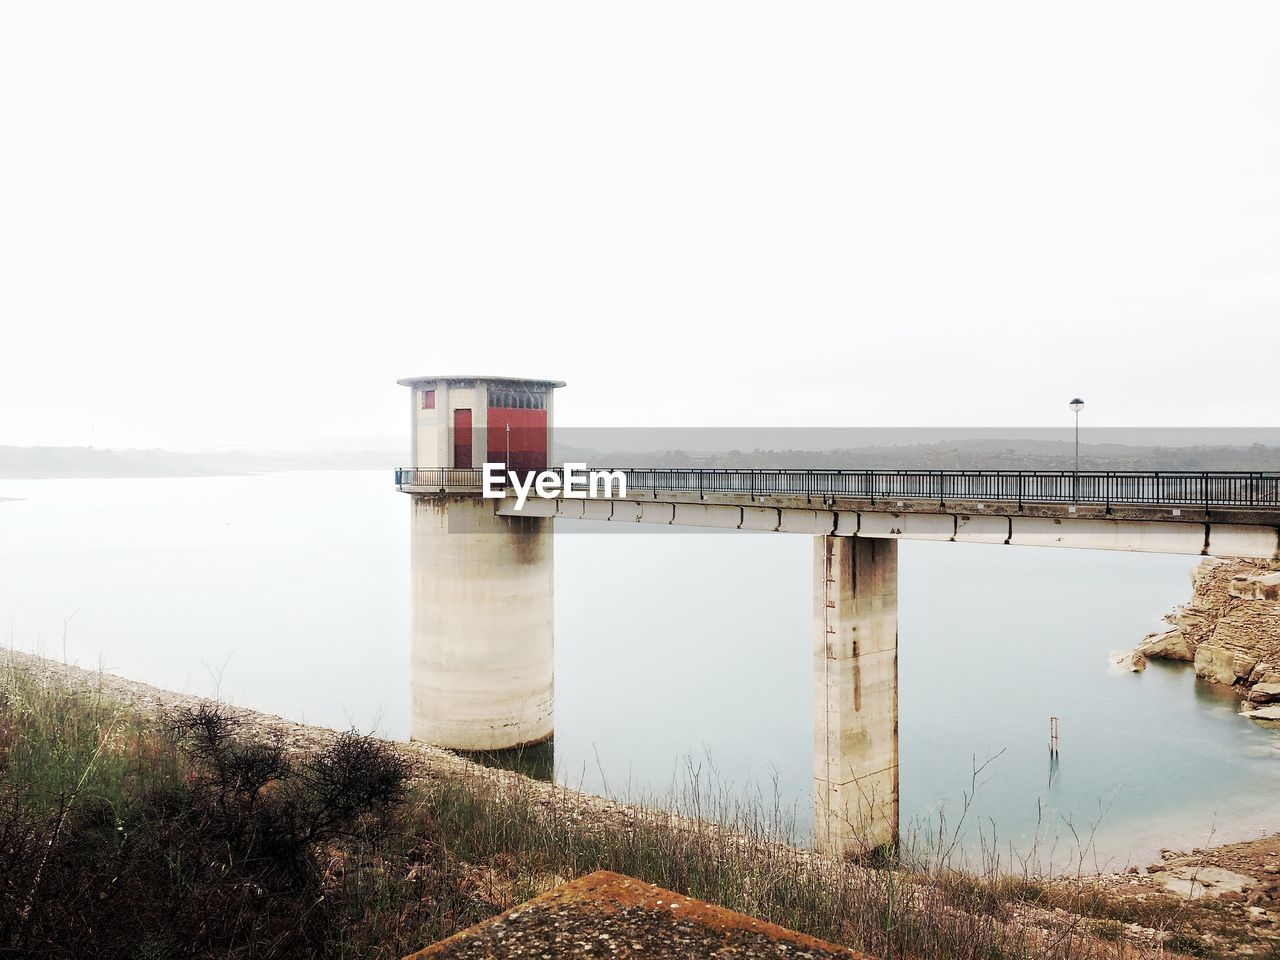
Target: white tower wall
(482, 653)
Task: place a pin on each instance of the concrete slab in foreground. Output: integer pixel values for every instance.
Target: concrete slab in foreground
(610, 915)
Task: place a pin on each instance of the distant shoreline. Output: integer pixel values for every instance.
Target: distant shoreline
(68, 463)
(4, 478)
(89, 463)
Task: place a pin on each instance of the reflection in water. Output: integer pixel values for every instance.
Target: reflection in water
(1211, 696)
(674, 651)
(708, 655)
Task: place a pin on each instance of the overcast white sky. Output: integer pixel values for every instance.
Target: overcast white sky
(237, 224)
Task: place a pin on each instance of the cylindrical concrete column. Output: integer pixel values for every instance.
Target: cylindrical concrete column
(482, 657)
(855, 662)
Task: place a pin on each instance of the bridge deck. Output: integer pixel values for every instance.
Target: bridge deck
(1189, 496)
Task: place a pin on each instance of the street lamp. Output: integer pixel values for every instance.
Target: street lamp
(1077, 405)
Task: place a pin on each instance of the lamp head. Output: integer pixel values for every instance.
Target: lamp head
(1077, 404)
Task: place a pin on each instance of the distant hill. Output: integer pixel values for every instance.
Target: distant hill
(960, 454)
(976, 454)
(73, 462)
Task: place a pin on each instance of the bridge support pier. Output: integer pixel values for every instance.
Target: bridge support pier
(481, 661)
(855, 660)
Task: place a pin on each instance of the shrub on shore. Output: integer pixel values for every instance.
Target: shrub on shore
(123, 838)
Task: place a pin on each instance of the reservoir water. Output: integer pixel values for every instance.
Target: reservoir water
(676, 651)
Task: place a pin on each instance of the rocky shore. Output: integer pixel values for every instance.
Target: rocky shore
(1229, 630)
(986, 907)
(1223, 901)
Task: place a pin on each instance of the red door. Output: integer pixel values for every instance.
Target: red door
(462, 439)
(518, 438)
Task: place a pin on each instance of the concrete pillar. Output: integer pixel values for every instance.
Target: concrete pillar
(482, 663)
(855, 661)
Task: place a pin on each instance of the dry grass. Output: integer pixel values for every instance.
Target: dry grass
(115, 811)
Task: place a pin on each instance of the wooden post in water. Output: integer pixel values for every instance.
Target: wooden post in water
(1053, 736)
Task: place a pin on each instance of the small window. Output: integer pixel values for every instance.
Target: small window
(428, 399)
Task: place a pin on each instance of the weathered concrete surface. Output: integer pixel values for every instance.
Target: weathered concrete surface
(533, 507)
(1243, 540)
(760, 518)
(1038, 525)
(609, 914)
(907, 526)
(624, 511)
(481, 584)
(573, 509)
(855, 665)
(657, 512)
(596, 509)
(482, 634)
(707, 515)
(1142, 536)
(847, 523)
(981, 529)
(807, 521)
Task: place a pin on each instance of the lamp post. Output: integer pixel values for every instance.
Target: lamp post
(1077, 405)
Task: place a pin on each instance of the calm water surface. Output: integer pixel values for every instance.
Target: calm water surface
(289, 593)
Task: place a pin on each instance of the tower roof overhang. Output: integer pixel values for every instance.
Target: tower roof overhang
(452, 378)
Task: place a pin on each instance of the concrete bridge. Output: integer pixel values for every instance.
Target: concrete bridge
(482, 569)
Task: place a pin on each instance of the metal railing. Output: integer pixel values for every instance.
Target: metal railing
(1110, 488)
(438, 479)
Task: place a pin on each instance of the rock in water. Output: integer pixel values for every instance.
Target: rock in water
(1264, 673)
(1265, 692)
(1215, 664)
(1170, 645)
(1243, 665)
(1263, 713)
(1129, 660)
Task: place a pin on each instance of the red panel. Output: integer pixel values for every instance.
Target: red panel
(462, 439)
(528, 438)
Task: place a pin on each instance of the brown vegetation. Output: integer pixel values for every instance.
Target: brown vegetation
(135, 823)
